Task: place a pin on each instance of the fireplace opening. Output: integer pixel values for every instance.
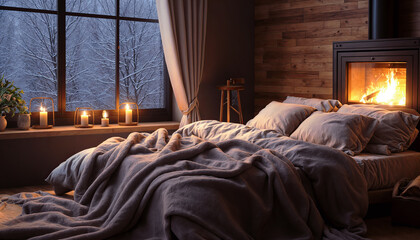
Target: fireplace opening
(383, 72)
(377, 82)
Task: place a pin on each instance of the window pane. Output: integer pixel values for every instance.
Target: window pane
(90, 63)
(28, 52)
(36, 4)
(138, 9)
(141, 64)
(106, 7)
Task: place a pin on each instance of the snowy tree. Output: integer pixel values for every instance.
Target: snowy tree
(28, 44)
(39, 48)
(141, 64)
(141, 57)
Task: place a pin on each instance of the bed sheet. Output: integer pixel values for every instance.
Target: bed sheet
(383, 171)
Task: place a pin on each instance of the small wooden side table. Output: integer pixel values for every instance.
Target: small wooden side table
(228, 88)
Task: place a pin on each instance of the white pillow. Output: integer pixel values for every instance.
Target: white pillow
(320, 104)
(349, 133)
(281, 117)
(396, 129)
(64, 177)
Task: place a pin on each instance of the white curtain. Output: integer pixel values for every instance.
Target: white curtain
(183, 30)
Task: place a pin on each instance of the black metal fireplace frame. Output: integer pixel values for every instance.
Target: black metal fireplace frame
(381, 50)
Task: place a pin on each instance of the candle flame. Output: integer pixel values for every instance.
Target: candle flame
(84, 113)
(104, 114)
(127, 106)
(42, 109)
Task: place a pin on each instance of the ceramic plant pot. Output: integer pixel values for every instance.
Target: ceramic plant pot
(3, 123)
(24, 121)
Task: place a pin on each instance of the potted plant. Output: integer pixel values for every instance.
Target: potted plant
(10, 101)
(24, 118)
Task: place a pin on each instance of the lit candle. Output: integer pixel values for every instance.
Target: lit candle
(128, 114)
(43, 117)
(105, 119)
(84, 121)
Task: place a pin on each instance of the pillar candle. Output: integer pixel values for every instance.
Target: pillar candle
(105, 119)
(128, 114)
(84, 121)
(43, 118)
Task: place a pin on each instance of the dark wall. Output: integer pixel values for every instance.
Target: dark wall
(229, 53)
(29, 161)
(409, 18)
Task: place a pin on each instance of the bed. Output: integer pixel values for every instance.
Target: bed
(383, 172)
(213, 180)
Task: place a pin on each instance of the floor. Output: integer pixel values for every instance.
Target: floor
(379, 228)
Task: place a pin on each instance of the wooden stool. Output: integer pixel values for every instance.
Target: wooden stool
(228, 88)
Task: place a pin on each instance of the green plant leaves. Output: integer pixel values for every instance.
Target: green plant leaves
(11, 99)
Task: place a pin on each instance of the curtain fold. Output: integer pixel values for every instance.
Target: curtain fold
(183, 31)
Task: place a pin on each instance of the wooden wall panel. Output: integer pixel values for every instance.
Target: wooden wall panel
(293, 45)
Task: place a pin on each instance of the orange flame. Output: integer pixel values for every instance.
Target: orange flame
(388, 92)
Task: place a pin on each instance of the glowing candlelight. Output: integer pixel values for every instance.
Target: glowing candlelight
(43, 117)
(128, 114)
(84, 121)
(105, 119)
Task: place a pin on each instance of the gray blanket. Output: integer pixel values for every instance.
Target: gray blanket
(333, 178)
(150, 186)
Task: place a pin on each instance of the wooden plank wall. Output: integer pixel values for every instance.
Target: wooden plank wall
(293, 45)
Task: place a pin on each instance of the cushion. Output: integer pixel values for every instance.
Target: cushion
(377, 149)
(413, 188)
(281, 117)
(335, 104)
(389, 107)
(349, 133)
(396, 129)
(320, 104)
(65, 176)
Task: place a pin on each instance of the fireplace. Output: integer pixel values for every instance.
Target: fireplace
(382, 71)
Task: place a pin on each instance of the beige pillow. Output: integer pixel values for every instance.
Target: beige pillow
(281, 117)
(320, 104)
(377, 149)
(349, 133)
(396, 129)
(335, 104)
(389, 107)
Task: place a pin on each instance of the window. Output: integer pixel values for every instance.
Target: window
(96, 54)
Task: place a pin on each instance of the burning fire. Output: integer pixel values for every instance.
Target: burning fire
(386, 92)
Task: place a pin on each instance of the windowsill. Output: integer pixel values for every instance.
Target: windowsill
(14, 133)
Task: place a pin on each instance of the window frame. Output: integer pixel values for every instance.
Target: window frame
(63, 117)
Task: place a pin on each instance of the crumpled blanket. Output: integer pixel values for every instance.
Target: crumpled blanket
(330, 176)
(152, 186)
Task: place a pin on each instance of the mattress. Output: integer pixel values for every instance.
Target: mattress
(383, 171)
